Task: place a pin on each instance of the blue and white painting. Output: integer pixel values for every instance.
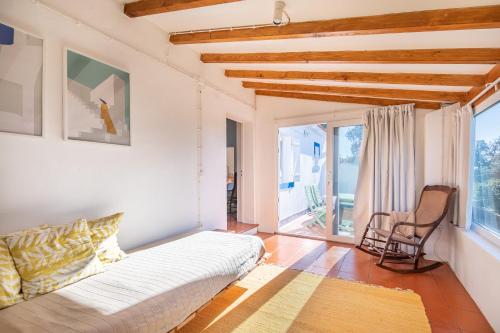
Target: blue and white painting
(97, 101)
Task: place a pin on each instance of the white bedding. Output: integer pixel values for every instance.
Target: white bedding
(152, 290)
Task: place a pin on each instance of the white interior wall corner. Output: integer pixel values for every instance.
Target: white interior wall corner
(476, 267)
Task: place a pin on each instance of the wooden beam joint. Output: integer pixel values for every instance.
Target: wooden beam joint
(491, 76)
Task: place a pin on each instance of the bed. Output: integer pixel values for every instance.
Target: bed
(153, 290)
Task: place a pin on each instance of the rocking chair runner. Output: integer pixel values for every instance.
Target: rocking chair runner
(387, 244)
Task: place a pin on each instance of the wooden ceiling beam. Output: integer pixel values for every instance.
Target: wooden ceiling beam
(150, 7)
(419, 56)
(484, 17)
(347, 99)
(442, 96)
(389, 78)
(492, 75)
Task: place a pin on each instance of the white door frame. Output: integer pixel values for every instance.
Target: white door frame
(245, 167)
(239, 170)
(238, 167)
(332, 120)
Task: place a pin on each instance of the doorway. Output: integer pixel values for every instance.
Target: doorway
(233, 170)
(302, 180)
(317, 176)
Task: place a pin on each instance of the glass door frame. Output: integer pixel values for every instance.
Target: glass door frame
(331, 123)
(329, 179)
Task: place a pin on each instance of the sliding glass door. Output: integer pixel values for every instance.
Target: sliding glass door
(317, 176)
(302, 180)
(346, 146)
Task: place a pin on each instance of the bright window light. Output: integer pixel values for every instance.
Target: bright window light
(486, 170)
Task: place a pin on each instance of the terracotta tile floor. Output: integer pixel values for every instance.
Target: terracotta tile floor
(448, 306)
(238, 227)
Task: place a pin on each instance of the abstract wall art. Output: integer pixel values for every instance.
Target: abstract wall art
(97, 101)
(21, 71)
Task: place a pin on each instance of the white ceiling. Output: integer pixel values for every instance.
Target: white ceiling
(250, 12)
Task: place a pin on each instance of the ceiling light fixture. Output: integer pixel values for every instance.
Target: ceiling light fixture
(279, 11)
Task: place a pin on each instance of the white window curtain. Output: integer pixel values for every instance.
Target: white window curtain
(386, 180)
(457, 143)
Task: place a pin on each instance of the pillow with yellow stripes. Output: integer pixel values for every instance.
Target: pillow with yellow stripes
(51, 258)
(103, 232)
(10, 281)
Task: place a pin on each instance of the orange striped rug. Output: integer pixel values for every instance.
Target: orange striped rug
(276, 299)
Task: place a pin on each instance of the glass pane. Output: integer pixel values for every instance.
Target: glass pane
(346, 145)
(486, 181)
(302, 180)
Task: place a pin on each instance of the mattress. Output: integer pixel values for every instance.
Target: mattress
(152, 290)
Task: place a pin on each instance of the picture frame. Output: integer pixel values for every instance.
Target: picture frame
(22, 86)
(96, 100)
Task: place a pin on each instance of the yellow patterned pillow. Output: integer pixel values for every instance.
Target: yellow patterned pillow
(10, 281)
(103, 232)
(51, 258)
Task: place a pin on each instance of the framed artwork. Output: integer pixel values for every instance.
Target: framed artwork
(96, 100)
(317, 150)
(21, 76)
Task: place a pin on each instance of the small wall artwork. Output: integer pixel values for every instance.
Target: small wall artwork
(97, 101)
(21, 71)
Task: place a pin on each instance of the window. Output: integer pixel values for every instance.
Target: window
(346, 145)
(486, 170)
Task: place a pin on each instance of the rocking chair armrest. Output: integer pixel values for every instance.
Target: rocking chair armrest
(376, 214)
(413, 224)
(379, 214)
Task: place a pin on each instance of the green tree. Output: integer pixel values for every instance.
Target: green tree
(355, 136)
(487, 175)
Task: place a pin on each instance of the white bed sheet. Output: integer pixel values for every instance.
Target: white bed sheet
(152, 290)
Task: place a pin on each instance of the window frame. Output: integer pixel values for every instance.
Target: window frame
(477, 228)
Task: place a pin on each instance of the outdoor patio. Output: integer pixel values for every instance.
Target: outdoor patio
(305, 225)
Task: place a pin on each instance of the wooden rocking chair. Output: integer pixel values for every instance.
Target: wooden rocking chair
(389, 244)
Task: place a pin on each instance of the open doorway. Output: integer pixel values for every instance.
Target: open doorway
(233, 170)
(302, 180)
(317, 176)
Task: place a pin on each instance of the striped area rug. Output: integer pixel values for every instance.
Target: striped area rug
(276, 299)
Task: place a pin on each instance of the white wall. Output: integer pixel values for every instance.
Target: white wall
(49, 180)
(475, 262)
